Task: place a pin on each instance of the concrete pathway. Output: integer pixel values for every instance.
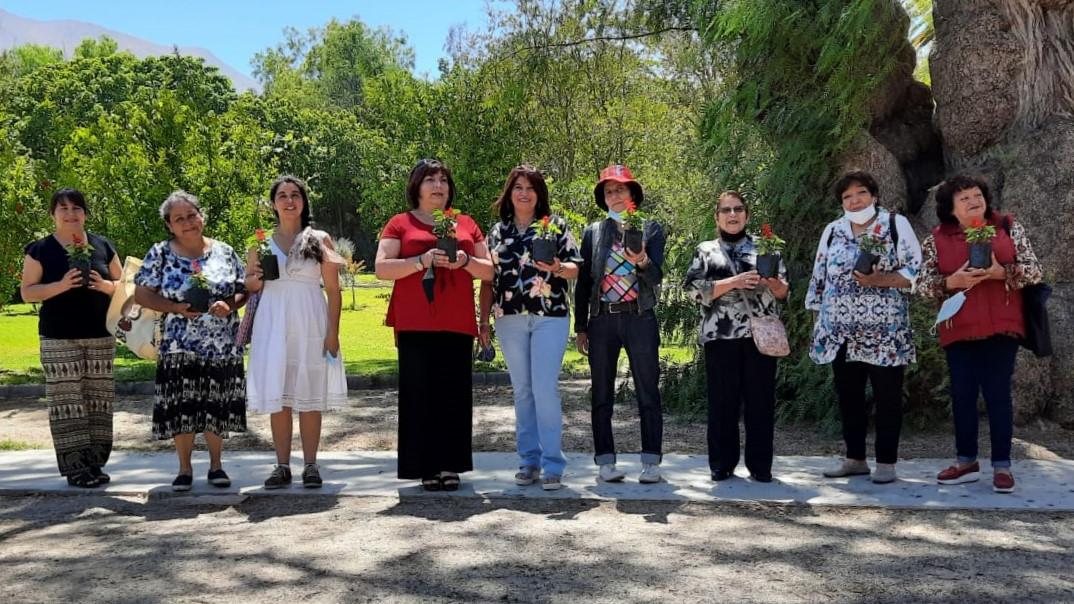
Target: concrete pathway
(1042, 485)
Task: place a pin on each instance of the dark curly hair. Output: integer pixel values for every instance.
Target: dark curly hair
(850, 179)
(945, 196)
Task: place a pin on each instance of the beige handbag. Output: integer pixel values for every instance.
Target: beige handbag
(134, 325)
(769, 335)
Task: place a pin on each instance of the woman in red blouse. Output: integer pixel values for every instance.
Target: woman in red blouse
(434, 337)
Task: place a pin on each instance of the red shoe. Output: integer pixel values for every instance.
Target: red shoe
(1003, 482)
(956, 475)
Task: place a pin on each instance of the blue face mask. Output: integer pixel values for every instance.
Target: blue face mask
(949, 308)
(616, 216)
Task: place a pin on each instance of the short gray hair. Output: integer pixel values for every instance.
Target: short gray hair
(177, 197)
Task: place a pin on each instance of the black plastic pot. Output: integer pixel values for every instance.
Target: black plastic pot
(198, 299)
(544, 250)
(82, 265)
(866, 262)
(633, 240)
(270, 267)
(981, 255)
(768, 265)
(450, 246)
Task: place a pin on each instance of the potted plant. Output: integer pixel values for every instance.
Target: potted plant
(869, 249)
(544, 240)
(633, 225)
(270, 266)
(444, 223)
(197, 293)
(979, 235)
(79, 254)
(769, 246)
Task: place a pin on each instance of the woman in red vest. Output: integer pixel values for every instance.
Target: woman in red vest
(982, 337)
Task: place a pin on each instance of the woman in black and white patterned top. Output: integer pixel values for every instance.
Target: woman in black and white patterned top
(738, 375)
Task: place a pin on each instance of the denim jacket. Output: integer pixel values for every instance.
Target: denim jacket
(597, 242)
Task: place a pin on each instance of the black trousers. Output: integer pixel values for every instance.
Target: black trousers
(740, 380)
(639, 334)
(850, 379)
(436, 403)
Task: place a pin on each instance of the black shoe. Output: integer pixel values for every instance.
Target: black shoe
(280, 477)
(183, 482)
(219, 478)
(761, 477)
(101, 477)
(722, 475)
(83, 480)
(431, 484)
(449, 481)
(311, 476)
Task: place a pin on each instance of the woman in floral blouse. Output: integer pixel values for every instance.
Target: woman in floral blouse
(530, 302)
(741, 380)
(201, 386)
(862, 321)
(981, 338)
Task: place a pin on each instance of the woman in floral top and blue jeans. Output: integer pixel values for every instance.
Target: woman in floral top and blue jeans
(530, 301)
(201, 385)
(862, 322)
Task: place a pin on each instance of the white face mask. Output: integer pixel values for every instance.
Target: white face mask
(861, 216)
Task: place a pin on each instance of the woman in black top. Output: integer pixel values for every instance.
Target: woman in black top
(76, 349)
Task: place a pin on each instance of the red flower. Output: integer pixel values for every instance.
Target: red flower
(977, 223)
(450, 213)
(260, 234)
(195, 266)
(766, 231)
(876, 229)
(546, 220)
(76, 240)
(630, 207)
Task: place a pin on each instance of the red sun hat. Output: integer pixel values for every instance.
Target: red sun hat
(618, 173)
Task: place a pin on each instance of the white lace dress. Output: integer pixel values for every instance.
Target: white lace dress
(288, 366)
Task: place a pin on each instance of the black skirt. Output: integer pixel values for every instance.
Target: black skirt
(435, 403)
(199, 395)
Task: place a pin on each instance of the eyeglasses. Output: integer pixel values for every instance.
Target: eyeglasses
(732, 210)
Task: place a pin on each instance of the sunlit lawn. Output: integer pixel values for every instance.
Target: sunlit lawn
(368, 345)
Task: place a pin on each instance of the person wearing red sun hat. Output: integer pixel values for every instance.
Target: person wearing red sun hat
(618, 287)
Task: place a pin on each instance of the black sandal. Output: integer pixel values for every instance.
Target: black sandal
(99, 474)
(430, 484)
(83, 480)
(449, 481)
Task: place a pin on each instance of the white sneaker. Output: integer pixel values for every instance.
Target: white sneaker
(609, 473)
(650, 473)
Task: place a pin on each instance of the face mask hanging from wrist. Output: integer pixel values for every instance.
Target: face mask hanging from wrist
(861, 216)
(949, 309)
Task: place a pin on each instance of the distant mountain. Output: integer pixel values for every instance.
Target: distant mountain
(66, 35)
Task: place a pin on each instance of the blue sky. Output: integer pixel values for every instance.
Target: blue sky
(235, 29)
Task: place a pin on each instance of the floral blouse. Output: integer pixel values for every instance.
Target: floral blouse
(518, 286)
(1026, 270)
(873, 322)
(205, 335)
(728, 317)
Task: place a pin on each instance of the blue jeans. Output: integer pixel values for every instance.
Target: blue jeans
(533, 347)
(640, 336)
(986, 367)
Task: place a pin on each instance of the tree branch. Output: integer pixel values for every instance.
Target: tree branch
(570, 43)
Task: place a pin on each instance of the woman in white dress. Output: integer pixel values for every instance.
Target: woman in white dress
(295, 362)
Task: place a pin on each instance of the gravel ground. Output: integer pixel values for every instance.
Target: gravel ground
(320, 549)
(327, 549)
(370, 424)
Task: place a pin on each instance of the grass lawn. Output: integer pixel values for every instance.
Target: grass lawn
(368, 345)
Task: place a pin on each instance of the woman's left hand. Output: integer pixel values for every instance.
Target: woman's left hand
(996, 271)
(220, 309)
(460, 259)
(640, 260)
(331, 345)
(550, 268)
(100, 284)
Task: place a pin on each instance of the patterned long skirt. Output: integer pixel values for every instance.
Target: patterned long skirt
(199, 395)
(80, 392)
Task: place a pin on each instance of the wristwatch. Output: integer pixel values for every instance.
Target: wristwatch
(418, 263)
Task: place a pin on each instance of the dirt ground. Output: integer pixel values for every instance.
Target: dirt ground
(323, 549)
(369, 423)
